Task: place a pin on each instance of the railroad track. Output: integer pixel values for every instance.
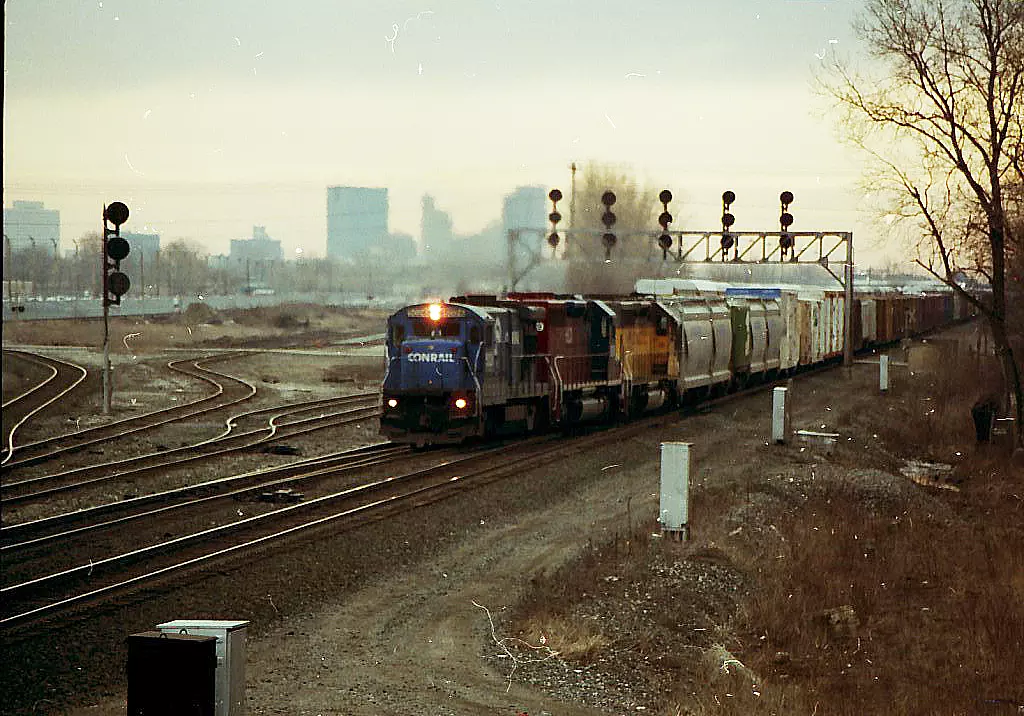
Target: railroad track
(227, 390)
(174, 554)
(283, 422)
(32, 549)
(61, 377)
(53, 594)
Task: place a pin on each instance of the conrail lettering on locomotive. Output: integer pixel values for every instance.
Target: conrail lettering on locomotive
(430, 358)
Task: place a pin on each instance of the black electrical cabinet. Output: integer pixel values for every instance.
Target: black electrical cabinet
(171, 674)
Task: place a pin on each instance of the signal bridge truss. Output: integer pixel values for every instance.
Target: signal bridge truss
(529, 248)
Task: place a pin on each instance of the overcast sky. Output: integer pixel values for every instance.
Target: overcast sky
(210, 116)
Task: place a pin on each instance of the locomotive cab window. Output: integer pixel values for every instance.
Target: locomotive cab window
(422, 328)
(397, 334)
(475, 334)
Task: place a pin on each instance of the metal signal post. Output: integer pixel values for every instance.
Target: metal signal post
(115, 283)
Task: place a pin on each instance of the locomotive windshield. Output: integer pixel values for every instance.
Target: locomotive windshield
(422, 328)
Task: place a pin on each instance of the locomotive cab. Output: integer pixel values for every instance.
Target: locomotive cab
(432, 388)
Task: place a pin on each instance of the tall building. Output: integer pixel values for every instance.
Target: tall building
(143, 247)
(357, 221)
(29, 224)
(143, 259)
(526, 208)
(259, 248)
(435, 229)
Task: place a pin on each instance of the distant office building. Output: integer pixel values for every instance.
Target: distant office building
(526, 208)
(259, 248)
(435, 229)
(143, 260)
(143, 247)
(357, 221)
(29, 224)
(402, 246)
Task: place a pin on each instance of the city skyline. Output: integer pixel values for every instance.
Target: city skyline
(210, 119)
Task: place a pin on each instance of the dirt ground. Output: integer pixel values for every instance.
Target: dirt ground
(556, 592)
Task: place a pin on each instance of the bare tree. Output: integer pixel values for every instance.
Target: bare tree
(596, 268)
(941, 112)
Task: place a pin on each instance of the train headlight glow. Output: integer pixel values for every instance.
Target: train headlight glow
(434, 311)
(461, 403)
(392, 403)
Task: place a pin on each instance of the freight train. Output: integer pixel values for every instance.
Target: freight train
(487, 365)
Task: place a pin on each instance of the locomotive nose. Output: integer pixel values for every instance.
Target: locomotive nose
(432, 365)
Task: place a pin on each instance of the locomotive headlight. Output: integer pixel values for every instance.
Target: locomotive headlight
(461, 403)
(434, 311)
(392, 402)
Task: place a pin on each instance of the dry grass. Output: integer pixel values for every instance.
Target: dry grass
(574, 640)
(200, 326)
(877, 611)
(914, 605)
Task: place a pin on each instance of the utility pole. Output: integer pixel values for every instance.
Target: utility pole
(10, 274)
(572, 204)
(56, 265)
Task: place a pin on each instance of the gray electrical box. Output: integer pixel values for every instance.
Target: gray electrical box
(171, 674)
(230, 678)
(675, 489)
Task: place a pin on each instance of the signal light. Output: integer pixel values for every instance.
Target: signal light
(609, 240)
(115, 249)
(728, 240)
(554, 217)
(461, 403)
(785, 221)
(608, 218)
(392, 403)
(665, 241)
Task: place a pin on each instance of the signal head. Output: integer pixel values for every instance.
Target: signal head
(554, 217)
(117, 248)
(728, 219)
(608, 219)
(116, 213)
(728, 197)
(665, 219)
(665, 196)
(553, 240)
(665, 242)
(608, 198)
(118, 284)
(786, 220)
(786, 197)
(555, 195)
(609, 240)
